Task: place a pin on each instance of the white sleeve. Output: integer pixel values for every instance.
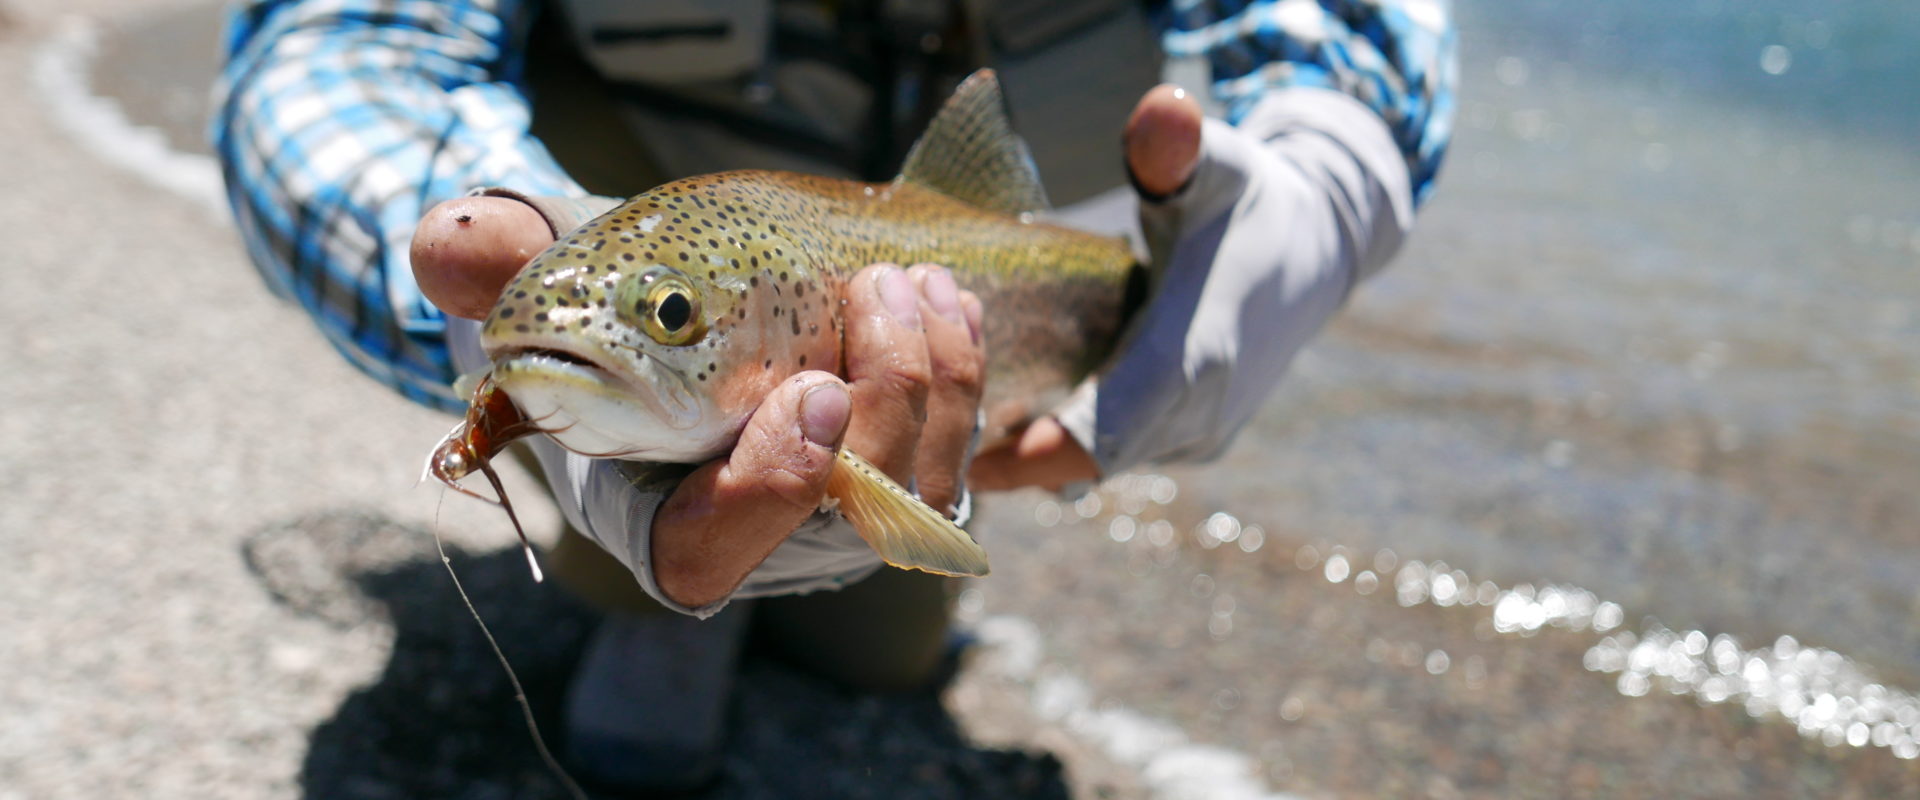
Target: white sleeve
(1282, 217)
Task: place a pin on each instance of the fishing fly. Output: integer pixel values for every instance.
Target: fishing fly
(490, 424)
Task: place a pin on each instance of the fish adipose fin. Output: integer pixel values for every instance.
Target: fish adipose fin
(971, 153)
(904, 531)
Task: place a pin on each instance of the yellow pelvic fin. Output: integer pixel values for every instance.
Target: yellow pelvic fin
(904, 531)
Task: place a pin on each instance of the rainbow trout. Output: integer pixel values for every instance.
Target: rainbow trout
(653, 332)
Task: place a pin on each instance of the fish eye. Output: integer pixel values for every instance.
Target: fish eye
(673, 311)
(665, 305)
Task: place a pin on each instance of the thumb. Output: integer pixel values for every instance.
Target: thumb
(1163, 140)
(466, 249)
(728, 515)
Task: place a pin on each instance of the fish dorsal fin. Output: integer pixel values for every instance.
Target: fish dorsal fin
(971, 153)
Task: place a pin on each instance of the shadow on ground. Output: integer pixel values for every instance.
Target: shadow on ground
(441, 722)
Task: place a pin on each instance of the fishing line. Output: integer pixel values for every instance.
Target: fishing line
(519, 692)
(525, 546)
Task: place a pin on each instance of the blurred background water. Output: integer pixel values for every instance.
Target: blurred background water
(1606, 487)
(1655, 344)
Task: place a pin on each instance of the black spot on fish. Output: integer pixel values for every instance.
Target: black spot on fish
(803, 360)
(540, 317)
(506, 313)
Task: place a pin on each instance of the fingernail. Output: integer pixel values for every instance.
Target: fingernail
(942, 294)
(976, 316)
(824, 410)
(896, 292)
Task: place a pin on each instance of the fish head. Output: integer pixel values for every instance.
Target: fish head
(654, 331)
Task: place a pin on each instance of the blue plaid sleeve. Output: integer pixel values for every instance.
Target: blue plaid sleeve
(1396, 56)
(338, 124)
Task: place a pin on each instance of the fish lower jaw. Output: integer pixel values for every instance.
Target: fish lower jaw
(600, 424)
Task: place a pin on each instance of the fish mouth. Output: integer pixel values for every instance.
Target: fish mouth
(598, 406)
(582, 370)
(551, 358)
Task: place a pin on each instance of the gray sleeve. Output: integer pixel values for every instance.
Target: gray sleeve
(1283, 216)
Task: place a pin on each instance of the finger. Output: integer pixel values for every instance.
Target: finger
(887, 368)
(726, 516)
(1163, 139)
(1043, 455)
(957, 364)
(976, 316)
(465, 250)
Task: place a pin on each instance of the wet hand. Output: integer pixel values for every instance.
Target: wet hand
(914, 367)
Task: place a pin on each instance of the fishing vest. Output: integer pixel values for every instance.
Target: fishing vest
(843, 87)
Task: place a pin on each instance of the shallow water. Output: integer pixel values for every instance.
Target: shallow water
(1607, 485)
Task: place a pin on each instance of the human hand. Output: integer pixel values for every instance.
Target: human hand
(914, 364)
(1162, 150)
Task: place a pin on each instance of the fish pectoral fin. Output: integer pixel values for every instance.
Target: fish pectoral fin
(905, 532)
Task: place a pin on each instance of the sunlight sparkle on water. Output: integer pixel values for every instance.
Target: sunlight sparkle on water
(1825, 695)
(1775, 59)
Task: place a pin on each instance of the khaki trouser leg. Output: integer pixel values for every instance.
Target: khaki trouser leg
(886, 633)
